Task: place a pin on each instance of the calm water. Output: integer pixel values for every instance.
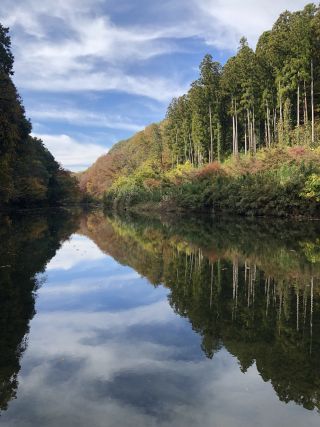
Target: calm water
(130, 321)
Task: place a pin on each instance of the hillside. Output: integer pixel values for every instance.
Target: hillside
(245, 137)
(29, 174)
(124, 158)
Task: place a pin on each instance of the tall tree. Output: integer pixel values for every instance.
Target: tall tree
(6, 56)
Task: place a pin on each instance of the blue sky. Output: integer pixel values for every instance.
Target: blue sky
(93, 72)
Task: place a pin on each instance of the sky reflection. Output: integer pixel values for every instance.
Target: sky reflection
(106, 349)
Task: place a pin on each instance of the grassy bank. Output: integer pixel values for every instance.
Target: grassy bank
(281, 181)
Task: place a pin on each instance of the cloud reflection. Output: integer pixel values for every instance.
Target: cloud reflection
(139, 365)
(73, 252)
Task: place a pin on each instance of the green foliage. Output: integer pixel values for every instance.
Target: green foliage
(6, 57)
(29, 174)
(279, 182)
(148, 146)
(311, 250)
(311, 188)
(257, 98)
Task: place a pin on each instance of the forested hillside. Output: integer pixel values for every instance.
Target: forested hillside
(125, 158)
(29, 174)
(244, 138)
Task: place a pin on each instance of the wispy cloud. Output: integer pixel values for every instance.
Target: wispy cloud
(92, 53)
(232, 19)
(70, 153)
(84, 118)
(161, 89)
(74, 45)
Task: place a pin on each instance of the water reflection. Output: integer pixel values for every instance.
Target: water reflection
(29, 241)
(251, 287)
(106, 348)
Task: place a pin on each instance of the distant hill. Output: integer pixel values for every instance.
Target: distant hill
(124, 158)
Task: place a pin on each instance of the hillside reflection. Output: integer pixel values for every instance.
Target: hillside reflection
(29, 241)
(249, 286)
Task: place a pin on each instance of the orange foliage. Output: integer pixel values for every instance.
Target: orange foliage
(209, 170)
(152, 183)
(123, 159)
(297, 151)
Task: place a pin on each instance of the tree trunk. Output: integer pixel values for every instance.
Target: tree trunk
(245, 137)
(311, 313)
(233, 134)
(266, 133)
(177, 143)
(254, 133)
(191, 150)
(211, 136)
(233, 129)
(249, 131)
(274, 124)
(298, 106)
(312, 104)
(268, 126)
(281, 112)
(236, 139)
(218, 142)
(305, 118)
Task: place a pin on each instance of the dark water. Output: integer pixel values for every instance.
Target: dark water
(112, 321)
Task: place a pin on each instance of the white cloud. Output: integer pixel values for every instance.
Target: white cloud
(74, 45)
(232, 19)
(91, 54)
(158, 88)
(75, 251)
(71, 154)
(84, 118)
(96, 363)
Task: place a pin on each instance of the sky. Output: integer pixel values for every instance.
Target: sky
(93, 72)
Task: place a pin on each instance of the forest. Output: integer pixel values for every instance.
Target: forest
(29, 174)
(245, 138)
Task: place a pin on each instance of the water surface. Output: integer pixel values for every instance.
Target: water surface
(136, 321)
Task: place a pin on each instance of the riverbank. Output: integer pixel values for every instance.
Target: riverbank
(278, 182)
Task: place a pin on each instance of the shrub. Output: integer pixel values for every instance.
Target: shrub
(280, 181)
(311, 188)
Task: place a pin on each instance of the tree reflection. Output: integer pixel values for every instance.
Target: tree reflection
(252, 287)
(28, 242)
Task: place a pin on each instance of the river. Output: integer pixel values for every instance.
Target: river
(127, 320)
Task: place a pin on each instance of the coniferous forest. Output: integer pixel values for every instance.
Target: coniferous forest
(245, 138)
(29, 174)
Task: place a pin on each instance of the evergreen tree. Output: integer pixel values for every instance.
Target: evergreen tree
(259, 98)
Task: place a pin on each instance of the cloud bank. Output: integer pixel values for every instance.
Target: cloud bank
(72, 154)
